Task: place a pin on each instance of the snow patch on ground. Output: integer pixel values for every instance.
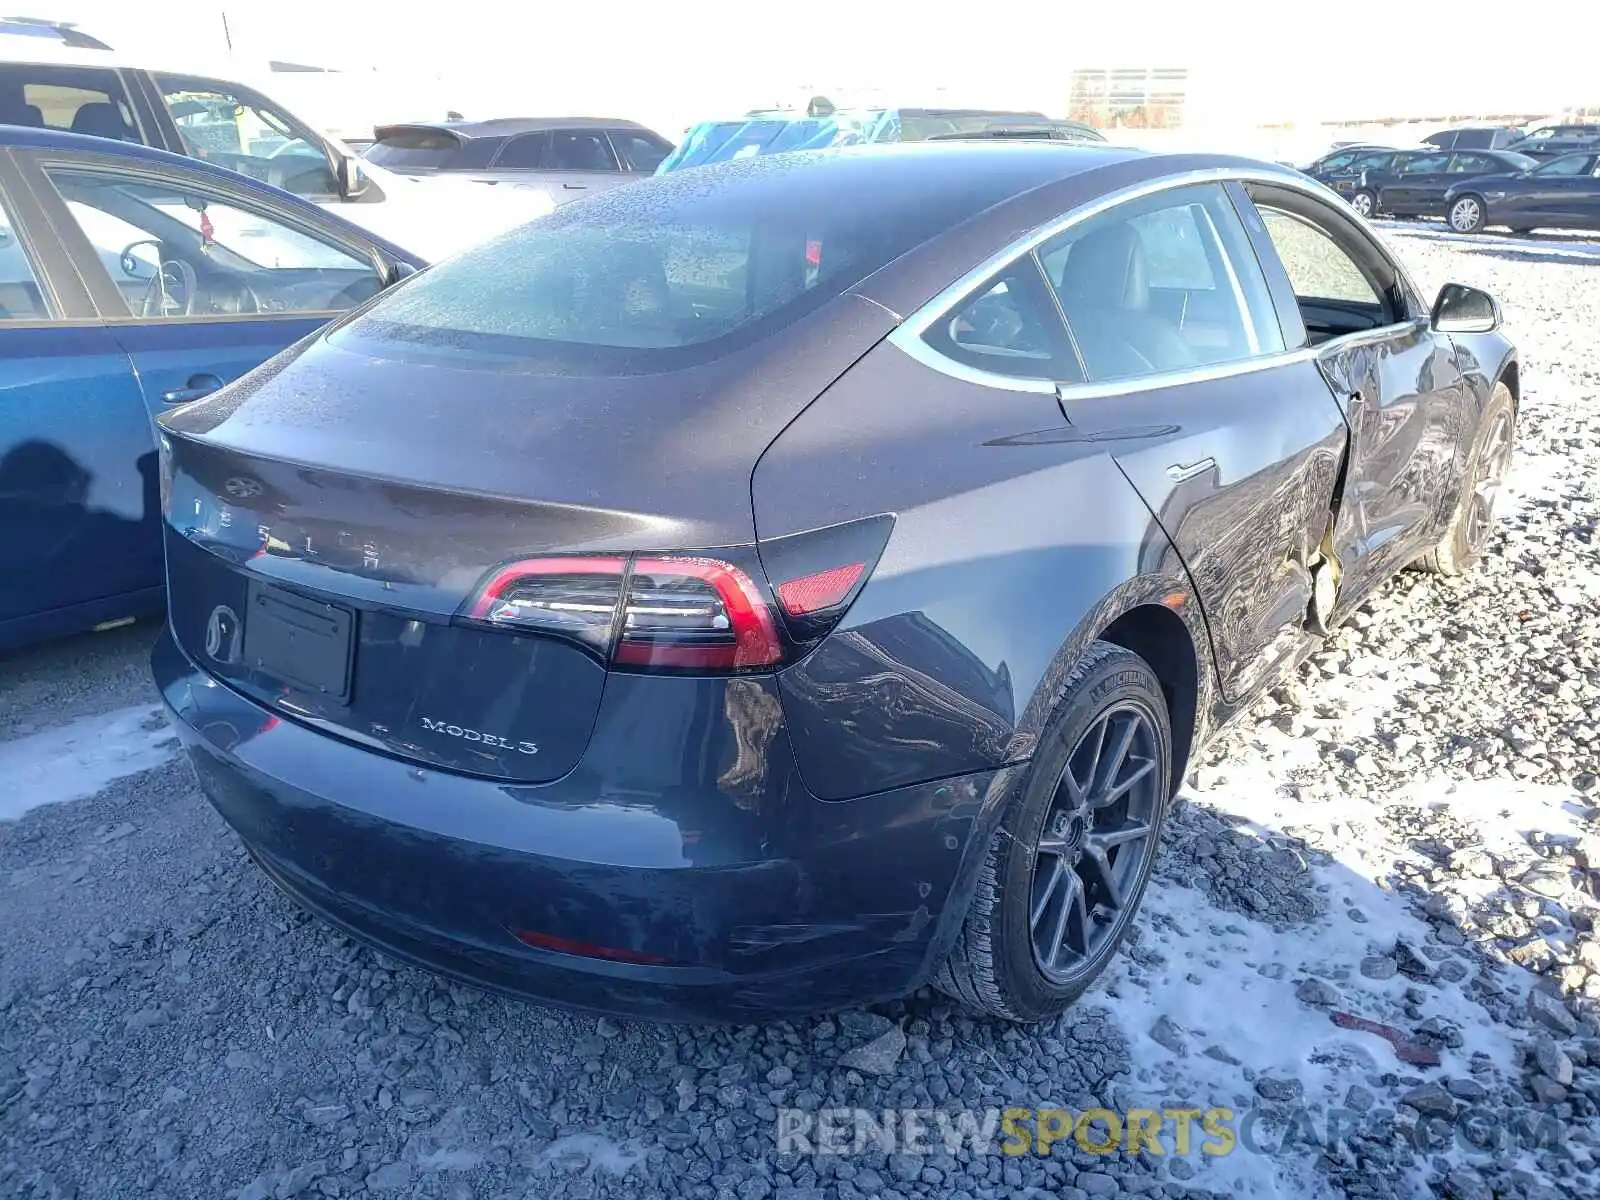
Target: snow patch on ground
(75, 760)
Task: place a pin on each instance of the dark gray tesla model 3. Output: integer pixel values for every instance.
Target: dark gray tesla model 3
(774, 586)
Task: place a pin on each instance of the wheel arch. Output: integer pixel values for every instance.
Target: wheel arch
(1159, 636)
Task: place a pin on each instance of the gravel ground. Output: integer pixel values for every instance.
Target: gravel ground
(1404, 834)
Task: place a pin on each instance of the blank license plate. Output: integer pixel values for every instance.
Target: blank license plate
(304, 642)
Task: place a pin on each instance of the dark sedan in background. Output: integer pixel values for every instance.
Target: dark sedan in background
(1413, 183)
(1563, 193)
(721, 599)
(569, 157)
(1553, 141)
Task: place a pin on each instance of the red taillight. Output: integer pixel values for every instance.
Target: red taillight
(688, 613)
(818, 592)
(696, 613)
(548, 941)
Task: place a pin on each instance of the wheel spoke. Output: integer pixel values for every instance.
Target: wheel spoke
(1053, 845)
(1043, 899)
(1111, 794)
(1095, 857)
(1103, 840)
(1059, 932)
(1119, 753)
(1073, 785)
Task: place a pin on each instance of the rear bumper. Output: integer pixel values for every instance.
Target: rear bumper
(700, 901)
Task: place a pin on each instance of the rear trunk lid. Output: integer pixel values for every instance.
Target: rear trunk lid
(329, 516)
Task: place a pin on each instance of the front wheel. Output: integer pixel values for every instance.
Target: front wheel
(1472, 524)
(1364, 202)
(1068, 865)
(1468, 215)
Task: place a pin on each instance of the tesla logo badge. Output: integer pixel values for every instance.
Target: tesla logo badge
(222, 634)
(242, 487)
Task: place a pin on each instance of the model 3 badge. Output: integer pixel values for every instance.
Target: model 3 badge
(222, 634)
(473, 735)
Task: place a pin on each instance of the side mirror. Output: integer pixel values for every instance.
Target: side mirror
(396, 271)
(1463, 309)
(352, 179)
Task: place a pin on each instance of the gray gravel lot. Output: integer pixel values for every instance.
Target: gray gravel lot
(1405, 832)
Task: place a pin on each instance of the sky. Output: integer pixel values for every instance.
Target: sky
(1261, 59)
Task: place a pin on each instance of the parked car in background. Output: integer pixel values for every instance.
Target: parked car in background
(566, 158)
(234, 125)
(781, 588)
(132, 280)
(1552, 141)
(1474, 137)
(1414, 183)
(1563, 193)
(1342, 169)
(776, 132)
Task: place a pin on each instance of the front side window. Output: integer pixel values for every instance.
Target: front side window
(1318, 266)
(73, 99)
(1378, 160)
(1009, 326)
(637, 152)
(175, 251)
(1337, 162)
(20, 296)
(1165, 283)
(247, 136)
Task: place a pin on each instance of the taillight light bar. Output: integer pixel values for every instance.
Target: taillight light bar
(695, 613)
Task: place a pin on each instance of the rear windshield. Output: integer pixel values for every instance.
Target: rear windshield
(413, 148)
(674, 269)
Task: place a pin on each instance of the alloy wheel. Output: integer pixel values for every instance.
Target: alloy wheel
(1096, 843)
(1493, 463)
(1465, 215)
(1362, 203)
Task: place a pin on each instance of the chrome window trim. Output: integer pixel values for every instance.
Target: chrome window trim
(908, 336)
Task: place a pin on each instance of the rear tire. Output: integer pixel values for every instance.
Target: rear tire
(1365, 203)
(1472, 525)
(1068, 866)
(1468, 214)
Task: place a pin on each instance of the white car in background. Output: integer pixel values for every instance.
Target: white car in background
(225, 121)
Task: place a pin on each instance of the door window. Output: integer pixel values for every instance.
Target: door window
(1008, 327)
(577, 150)
(525, 153)
(1165, 283)
(1569, 165)
(637, 152)
(246, 135)
(1318, 267)
(177, 251)
(1337, 162)
(75, 99)
(1424, 164)
(20, 296)
(1471, 164)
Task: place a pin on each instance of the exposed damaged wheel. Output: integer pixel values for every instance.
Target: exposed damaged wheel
(1472, 525)
(1068, 866)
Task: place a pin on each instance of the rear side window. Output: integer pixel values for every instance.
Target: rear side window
(675, 269)
(577, 150)
(78, 100)
(1424, 164)
(1009, 326)
(1471, 164)
(523, 153)
(1166, 283)
(427, 149)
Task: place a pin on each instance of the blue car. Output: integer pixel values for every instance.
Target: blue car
(133, 280)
